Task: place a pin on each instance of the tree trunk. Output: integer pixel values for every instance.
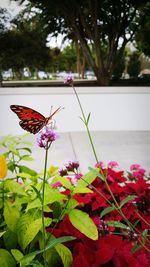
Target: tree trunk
(103, 76)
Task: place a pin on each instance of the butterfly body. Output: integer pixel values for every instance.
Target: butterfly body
(30, 119)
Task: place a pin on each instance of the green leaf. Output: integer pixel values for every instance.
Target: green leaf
(126, 200)
(72, 203)
(23, 175)
(52, 258)
(65, 255)
(13, 150)
(135, 248)
(13, 187)
(11, 166)
(10, 239)
(144, 235)
(26, 158)
(35, 263)
(25, 148)
(63, 180)
(1, 233)
(57, 210)
(116, 224)
(87, 179)
(18, 255)
(88, 118)
(51, 196)
(97, 174)
(82, 190)
(106, 211)
(29, 257)
(27, 170)
(27, 228)
(37, 193)
(11, 215)
(83, 223)
(6, 259)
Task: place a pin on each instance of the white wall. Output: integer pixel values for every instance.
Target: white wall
(112, 108)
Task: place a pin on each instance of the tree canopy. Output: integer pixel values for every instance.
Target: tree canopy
(143, 34)
(106, 26)
(27, 49)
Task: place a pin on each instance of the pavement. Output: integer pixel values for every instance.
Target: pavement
(125, 147)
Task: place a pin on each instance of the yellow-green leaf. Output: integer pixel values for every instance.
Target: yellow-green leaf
(83, 223)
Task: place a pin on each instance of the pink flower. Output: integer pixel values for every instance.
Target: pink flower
(68, 79)
(100, 165)
(78, 176)
(56, 184)
(134, 167)
(112, 164)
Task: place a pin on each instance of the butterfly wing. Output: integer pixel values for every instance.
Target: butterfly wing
(25, 113)
(32, 126)
(30, 120)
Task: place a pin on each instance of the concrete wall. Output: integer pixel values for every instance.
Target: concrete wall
(112, 108)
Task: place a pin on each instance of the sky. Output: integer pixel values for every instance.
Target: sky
(14, 8)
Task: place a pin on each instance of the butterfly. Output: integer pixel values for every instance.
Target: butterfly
(30, 119)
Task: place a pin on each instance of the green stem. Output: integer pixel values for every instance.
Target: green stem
(96, 158)
(86, 124)
(43, 193)
(117, 208)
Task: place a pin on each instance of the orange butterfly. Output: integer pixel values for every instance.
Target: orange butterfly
(30, 119)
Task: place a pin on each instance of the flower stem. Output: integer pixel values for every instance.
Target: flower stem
(86, 124)
(43, 193)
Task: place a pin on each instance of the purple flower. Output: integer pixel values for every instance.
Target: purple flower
(68, 79)
(72, 165)
(46, 136)
(63, 171)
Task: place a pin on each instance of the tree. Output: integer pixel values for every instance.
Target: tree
(27, 49)
(143, 34)
(4, 18)
(105, 24)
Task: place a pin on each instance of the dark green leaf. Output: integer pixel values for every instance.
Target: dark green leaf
(135, 248)
(116, 224)
(37, 192)
(126, 200)
(106, 211)
(88, 118)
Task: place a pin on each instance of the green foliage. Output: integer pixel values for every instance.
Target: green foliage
(6, 258)
(28, 47)
(21, 236)
(134, 64)
(143, 33)
(23, 212)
